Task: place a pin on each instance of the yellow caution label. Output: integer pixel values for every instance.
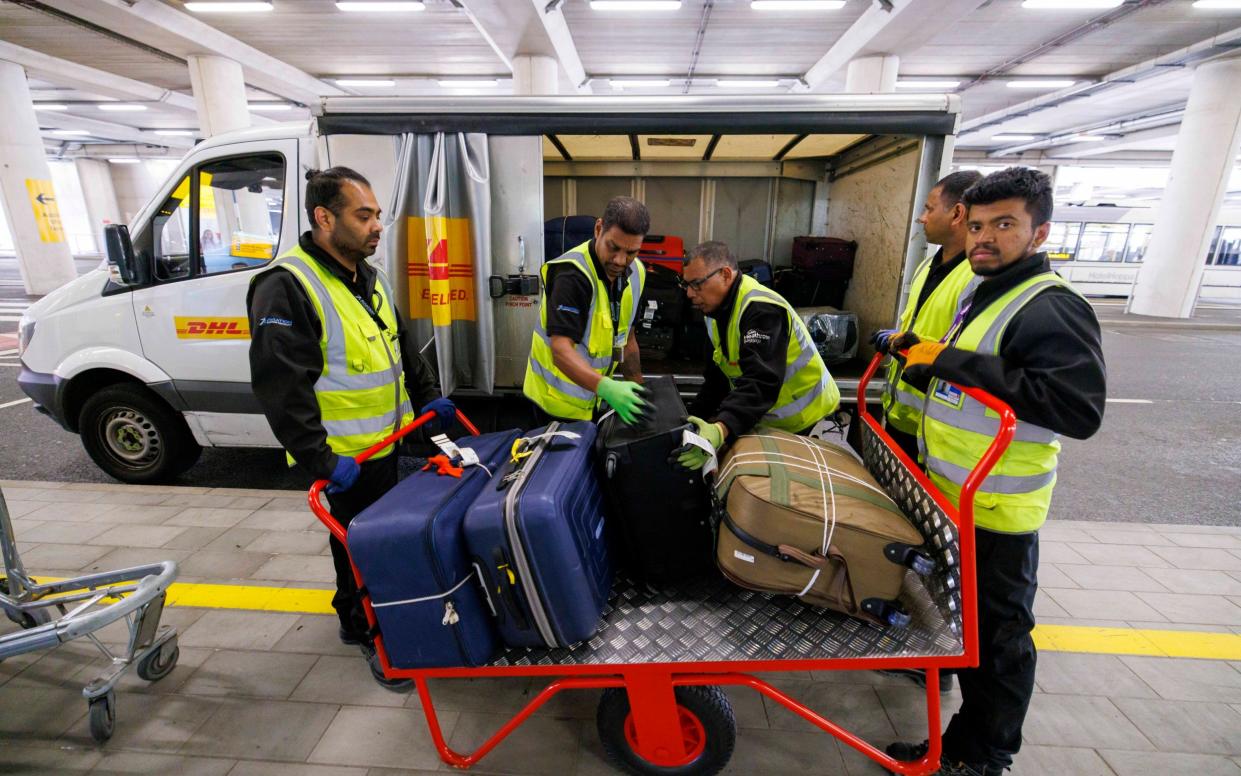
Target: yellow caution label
(189, 327)
(46, 211)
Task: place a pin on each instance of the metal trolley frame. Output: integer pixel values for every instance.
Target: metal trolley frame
(87, 604)
(662, 735)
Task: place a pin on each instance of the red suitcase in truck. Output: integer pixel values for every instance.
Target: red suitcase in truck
(824, 258)
(664, 250)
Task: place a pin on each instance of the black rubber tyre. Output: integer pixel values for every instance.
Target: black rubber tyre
(27, 619)
(707, 721)
(103, 717)
(135, 436)
(158, 664)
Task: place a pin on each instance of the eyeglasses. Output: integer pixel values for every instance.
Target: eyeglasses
(696, 285)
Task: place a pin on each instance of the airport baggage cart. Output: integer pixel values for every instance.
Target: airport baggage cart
(662, 656)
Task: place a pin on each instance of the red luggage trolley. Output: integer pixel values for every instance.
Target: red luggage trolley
(661, 656)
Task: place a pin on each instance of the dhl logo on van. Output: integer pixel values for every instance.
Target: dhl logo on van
(211, 328)
(441, 269)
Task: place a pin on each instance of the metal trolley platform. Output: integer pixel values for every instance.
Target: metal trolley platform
(662, 654)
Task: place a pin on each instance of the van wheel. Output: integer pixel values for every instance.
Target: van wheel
(134, 436)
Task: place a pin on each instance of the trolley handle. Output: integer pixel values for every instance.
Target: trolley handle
(1003, 437)
(321, 512)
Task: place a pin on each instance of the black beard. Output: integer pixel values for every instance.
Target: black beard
(348, 251)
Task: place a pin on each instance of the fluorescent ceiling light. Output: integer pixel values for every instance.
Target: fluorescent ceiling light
(1071, 5)
(1013, 136)
(635, 5)
(476, 83)
(69, 132)
(121, 107)
(174, 132)
(50, 106)
(269, 107)
(206, 7)
(1084, 138)
(1218, 5)
(379, 7)
(624, 83)
(366, 82)
(927, 84)
(1041, 84)
(746, 83)
(797, 5)
(123, 161)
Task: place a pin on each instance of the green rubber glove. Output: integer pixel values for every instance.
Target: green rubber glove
(694, 458)
(624, 397)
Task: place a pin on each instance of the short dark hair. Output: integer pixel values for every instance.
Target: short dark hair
(714, 253)
(323, 189)
(952, 187)
(1024, 183)
(629, 214)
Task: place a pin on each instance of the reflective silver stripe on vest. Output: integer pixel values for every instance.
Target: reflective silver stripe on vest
(797, 405)
(635, 294)
(600, 363)
(1007, 484)
(375, 425)
(991, 339)
(973, 417)
(564, 386)
(904, 397)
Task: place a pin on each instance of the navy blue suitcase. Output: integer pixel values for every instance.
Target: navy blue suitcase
(409, 547)
(537, 534)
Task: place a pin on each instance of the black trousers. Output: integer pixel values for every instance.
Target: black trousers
(986, 731)
(376, 478)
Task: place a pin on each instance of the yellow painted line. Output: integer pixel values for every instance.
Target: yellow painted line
(1049, 638)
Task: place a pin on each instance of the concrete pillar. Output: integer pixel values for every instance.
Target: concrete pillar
(99, 192)
(43, 257)
(533, 74)
(874, 74)
(219, 94)
(1206, 145)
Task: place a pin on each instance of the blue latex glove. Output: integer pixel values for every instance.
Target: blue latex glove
(344, 475)
(882, 338)
(445, 412)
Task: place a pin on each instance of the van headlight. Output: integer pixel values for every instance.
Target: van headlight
(25, 333)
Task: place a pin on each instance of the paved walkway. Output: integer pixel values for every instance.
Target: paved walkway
(273, 693)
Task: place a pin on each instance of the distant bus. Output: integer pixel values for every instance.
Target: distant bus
(1100, 247)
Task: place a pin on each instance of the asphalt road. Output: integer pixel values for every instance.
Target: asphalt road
(1169, 450)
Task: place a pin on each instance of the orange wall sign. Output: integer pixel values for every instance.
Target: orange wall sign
(441, 270)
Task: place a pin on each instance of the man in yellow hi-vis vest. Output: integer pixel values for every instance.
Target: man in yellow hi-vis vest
(585, 328)
(765, 369)
(935, 294)
(1028, 338)
(335, 369)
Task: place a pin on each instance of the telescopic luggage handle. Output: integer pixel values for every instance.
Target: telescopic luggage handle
(325, 517)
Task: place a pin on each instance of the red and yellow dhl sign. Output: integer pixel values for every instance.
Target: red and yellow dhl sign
(441, 269)
(211, 328)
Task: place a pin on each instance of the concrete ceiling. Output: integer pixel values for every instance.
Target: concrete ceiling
(295, 53)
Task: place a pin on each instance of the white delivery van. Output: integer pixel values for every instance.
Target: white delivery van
(146, 358)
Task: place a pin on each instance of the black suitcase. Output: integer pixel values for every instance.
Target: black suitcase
(561, 235)
(658, 510)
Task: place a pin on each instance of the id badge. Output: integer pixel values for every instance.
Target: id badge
(949, 394)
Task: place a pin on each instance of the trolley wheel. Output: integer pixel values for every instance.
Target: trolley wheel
(707, 725)
(29, 618)
(158, 663)
(103, 716)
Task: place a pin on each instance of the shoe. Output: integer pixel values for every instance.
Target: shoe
(910, 752)
(350, 638)
(907, 752)
(918, 677)
(377, 671)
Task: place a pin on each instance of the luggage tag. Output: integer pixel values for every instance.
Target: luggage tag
(689, 437)
(523, 449)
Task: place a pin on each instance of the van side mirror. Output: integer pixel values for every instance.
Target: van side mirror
(123, 264)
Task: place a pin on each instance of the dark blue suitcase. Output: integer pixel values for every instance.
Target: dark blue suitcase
(537, 535)
(409, 547)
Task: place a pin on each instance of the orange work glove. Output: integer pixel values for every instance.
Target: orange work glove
(923, 354)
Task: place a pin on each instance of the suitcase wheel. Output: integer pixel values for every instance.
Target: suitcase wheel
(909, 557)
(708, 727)
(898, 619)
(887, 612)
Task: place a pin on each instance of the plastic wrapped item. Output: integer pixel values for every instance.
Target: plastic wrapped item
(835, 333)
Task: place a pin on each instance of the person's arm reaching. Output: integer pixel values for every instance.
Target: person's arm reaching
(631, 364)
